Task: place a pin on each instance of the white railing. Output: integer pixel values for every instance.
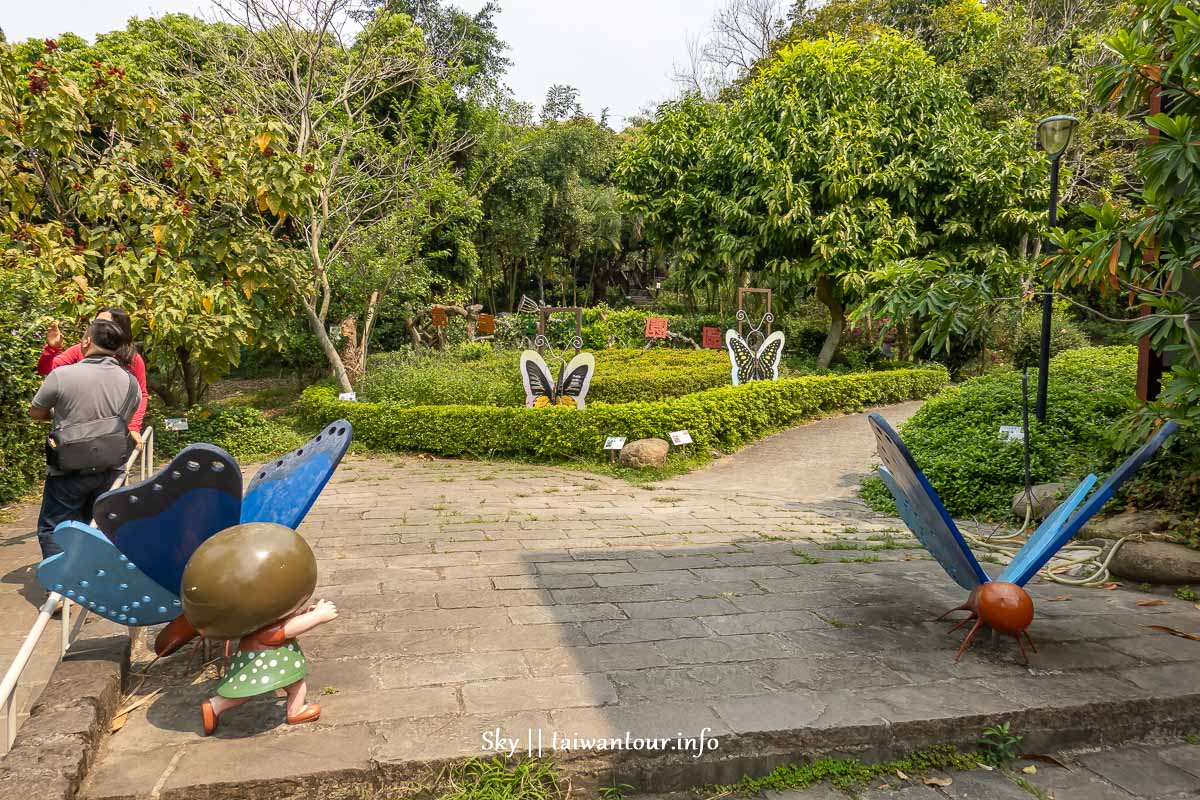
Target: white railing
(144, 458)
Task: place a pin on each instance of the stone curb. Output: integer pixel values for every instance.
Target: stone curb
(57, 744)
(1107, 722)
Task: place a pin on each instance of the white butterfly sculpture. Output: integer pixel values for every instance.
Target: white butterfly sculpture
(570, 389)
(750, 365)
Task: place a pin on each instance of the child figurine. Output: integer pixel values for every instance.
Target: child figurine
(269, 659)
(252, 582)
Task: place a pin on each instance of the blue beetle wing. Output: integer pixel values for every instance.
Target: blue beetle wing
(93, 573)
(159, 522)
(927, 517)
(284, 490)
(1047, 541)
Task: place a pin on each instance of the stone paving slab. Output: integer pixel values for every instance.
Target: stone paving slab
(478, 597)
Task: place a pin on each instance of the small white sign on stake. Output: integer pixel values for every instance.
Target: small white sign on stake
(1012, 433)
(349, 397)
(680, 437)
(614, 442)
(176, 423)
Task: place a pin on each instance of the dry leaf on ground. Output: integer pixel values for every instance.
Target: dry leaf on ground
(1174, 632)
(938, 781)
(1061, 598)
(1151, 602)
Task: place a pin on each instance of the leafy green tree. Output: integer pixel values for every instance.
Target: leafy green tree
(1149, 254)
(115, 194)
(839, 161)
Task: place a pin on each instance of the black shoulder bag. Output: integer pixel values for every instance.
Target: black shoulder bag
(95, 446)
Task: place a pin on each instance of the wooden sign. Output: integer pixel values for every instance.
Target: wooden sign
(439, 316)
(711, 338)
(486, 324)
(656, 327)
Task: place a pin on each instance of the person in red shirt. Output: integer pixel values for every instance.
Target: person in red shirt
(54, 356)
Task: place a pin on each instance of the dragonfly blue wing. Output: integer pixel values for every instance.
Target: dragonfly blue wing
(159, 522)
(923, 511)
(1041, 547)
(1046, 535)
(95, 574)
(284, 490)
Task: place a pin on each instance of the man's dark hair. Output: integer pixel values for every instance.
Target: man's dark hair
(107, 335)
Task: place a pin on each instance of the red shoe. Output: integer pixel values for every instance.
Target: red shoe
(209, 717)
(310, 713)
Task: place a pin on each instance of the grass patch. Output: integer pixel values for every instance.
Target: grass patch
(806, 557)
(497, 780)
(849, 774)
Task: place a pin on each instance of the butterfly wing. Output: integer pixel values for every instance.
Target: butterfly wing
(741, 357)
(284, 490)
(159, 522)
(576, 378)
(92, 572)
(535, 375)
(927, 517)
(767, 358)
(1048, 540)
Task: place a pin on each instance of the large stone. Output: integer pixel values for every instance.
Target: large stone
(645, 453)
(1046, 497)
(1126, 524)
(1157, 562)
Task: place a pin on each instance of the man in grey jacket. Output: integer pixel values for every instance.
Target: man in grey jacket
(96, 388)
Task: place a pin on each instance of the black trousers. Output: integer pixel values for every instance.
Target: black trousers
(69, 497)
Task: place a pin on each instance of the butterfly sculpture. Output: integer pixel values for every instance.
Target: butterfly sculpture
(541, 390)
(1003, 604)
(754, 365)
(129, 568)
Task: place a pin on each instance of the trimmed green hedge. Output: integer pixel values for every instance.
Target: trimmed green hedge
(955, 436)
(244, 432)
(723, 418)
(622, 376)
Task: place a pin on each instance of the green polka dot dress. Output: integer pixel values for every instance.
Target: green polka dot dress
(257, 671)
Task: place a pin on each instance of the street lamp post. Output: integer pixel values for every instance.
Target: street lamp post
(1053, 137)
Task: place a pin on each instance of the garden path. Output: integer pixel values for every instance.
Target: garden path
(477, 597)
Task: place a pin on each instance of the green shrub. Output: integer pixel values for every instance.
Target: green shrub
(725, 417)
(1065, 335)
(955, 436)
(241, 430)
(22, 450)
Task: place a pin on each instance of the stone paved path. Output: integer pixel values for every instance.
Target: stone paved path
(478, 597)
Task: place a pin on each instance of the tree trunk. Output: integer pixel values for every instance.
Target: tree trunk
(164, 392)
(191, 376)
(413, 334)
(326, 344)
(837, 321)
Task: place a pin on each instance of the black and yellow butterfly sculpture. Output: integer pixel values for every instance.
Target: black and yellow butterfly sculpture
(541, 390)
(754, 365)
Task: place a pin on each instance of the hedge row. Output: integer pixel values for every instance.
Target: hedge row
(722, 418)
(622, 376)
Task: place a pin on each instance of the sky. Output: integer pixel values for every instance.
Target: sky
(618, 53)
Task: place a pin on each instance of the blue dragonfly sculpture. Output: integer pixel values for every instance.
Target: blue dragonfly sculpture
(1003, 604)
(128, 568)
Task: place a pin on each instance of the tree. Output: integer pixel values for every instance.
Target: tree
(838, 158)
(119, 195)
(1149, 254)
(742, 33)
(342, 84)
(562, 102)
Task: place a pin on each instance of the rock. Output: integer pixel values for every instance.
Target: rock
(1127, 524)
(1046, 497)
(645, 453)
(1157, 562)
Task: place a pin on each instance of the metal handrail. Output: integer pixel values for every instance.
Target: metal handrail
(144, 457)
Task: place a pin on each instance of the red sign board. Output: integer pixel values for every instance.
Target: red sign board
(712, 338)
(656, 327)
(439, 316)
(486, 324)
